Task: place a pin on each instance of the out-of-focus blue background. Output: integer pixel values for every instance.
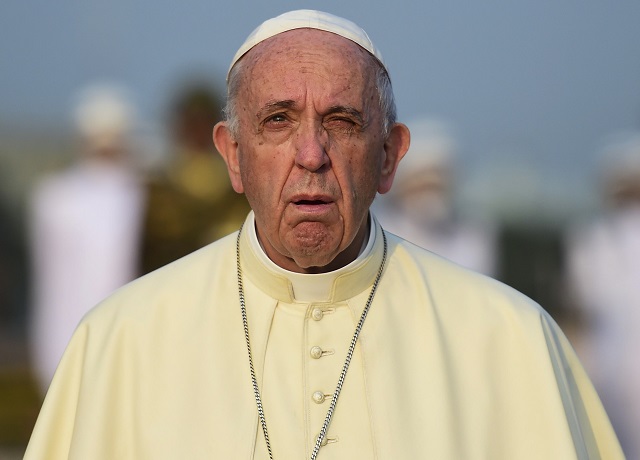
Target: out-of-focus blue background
(532, 89)
(533, 84)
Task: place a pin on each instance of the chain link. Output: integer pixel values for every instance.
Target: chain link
(345, 368)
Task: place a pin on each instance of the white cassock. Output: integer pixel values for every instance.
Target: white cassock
(85, 225)
(449, 365)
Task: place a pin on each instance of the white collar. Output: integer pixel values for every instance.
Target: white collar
(289, 286)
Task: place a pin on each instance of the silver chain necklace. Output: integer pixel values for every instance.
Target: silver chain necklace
(345, 368)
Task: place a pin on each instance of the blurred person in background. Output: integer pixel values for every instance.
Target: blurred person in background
(603, 272)
(190, 202)
(421, 206)
(84, 225)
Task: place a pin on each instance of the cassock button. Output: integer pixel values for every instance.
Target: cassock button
(318, 397)
(327, 440)
(316, 352)
(317, 314)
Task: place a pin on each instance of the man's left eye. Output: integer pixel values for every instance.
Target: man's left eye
(340, 123)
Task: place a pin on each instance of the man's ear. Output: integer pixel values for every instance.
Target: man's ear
(395, 147)
(228, 148)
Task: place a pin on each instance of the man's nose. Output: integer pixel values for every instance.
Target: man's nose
(312, 143)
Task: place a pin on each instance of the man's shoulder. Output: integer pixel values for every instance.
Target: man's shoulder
(177, 285)
(445, 279)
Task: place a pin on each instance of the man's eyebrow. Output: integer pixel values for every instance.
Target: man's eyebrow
(351, 111)
(274, 106)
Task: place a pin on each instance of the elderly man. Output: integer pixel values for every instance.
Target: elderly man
(311, 332)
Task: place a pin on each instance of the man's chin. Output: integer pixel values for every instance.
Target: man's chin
(313, 259)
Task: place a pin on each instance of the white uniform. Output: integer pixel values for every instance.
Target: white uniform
(85, 228)
(604, 270)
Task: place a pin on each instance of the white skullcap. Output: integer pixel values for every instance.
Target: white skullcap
(307, 19)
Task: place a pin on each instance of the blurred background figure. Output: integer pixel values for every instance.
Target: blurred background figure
(603, 272)
(190, 202)
(421, 206)
(85, 225)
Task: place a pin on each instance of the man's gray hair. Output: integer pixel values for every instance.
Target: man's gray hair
(383, 86)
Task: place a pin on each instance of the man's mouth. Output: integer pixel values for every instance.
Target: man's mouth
(310, 202)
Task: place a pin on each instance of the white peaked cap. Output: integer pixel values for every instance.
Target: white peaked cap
(307, 19)
(621, 156)
(432, 145)
(104, 112)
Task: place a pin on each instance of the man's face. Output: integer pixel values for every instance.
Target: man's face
(309, 149)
